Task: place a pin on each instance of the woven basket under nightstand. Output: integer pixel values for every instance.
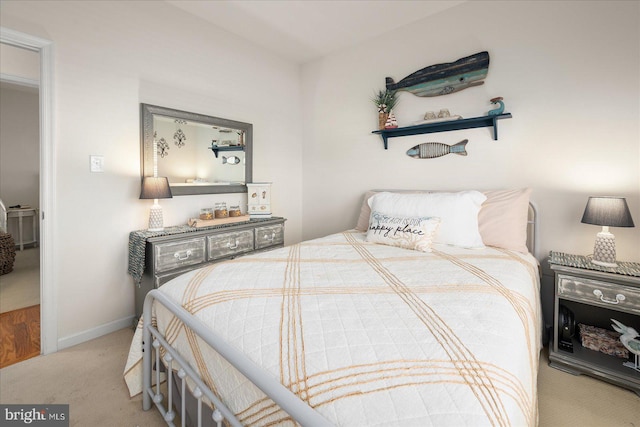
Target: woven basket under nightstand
(7, 253)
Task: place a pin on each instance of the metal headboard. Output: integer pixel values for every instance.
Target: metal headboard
(532, 217)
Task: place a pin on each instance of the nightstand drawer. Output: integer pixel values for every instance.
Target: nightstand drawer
(269, 236)
(596, 292)
(227, 244)
(171, 255)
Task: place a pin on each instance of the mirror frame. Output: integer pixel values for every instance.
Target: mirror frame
(147, 112)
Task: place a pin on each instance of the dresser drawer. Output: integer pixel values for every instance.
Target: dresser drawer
(596, 292)
(171, 255)
(227, 244)
(269, 236)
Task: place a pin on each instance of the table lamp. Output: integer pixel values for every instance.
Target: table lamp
(155, 188)
(607, 212)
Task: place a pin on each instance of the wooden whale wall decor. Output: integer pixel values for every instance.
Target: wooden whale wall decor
(442, 79)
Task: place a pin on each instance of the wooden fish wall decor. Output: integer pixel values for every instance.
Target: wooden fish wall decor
(431, 150)
(442, 79)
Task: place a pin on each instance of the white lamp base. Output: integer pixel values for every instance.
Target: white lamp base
(155, 218)
(604, 250)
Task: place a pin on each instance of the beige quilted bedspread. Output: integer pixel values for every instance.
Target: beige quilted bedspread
(367, 334)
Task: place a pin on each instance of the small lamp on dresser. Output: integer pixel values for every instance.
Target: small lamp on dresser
(607, 212)
(155, 188)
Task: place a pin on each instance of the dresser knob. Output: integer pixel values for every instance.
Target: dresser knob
(619, 297)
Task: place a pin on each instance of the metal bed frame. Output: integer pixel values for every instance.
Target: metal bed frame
(153, 340)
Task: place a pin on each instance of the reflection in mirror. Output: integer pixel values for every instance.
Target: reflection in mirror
(233, 160)
(198, 154)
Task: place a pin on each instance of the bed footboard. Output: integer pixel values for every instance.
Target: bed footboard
(153, 340)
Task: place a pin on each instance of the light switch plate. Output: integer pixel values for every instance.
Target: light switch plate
(97, 163)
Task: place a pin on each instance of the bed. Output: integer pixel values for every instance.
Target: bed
(358, 328)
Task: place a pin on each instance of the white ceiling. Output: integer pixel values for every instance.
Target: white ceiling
(304, 30)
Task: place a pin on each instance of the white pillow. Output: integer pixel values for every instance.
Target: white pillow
(458, 213)
(406, 232)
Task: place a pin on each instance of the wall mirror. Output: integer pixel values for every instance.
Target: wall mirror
(198, 154)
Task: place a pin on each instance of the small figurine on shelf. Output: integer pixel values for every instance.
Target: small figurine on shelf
(629, 339)
(391, 122)
(500, 109)
(443, 116)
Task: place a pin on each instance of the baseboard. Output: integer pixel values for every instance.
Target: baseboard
(94, 333)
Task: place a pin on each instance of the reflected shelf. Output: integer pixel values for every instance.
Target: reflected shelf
(217, 148)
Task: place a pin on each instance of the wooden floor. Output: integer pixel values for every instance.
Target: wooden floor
(19, 335)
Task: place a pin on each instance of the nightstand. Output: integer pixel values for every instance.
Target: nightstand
(591, 295)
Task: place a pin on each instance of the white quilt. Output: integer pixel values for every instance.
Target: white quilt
(367, 334)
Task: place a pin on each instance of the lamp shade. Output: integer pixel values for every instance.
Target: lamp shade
(608, 212)
(155, 188)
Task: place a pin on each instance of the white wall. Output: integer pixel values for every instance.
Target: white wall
(108, 58)
(18, 62)
(19, 148)
(569, 73)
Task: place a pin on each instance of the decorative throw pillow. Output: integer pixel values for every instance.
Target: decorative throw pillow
(365, 209)
(406, 232)
(458, 213)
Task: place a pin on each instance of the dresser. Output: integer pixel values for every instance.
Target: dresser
(586, 298)
(157, 257)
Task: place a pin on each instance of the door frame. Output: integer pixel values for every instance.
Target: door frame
(48, 283)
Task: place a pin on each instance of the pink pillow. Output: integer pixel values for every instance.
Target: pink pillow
(502, 220)
(365, 212)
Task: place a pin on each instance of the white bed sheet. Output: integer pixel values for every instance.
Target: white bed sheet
(367, 334)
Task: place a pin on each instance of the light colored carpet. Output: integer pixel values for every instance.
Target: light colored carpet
(578, 400)
(21, 287)
(89, 378)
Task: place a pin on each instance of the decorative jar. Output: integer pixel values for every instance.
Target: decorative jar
(206, 213)
(221, 210)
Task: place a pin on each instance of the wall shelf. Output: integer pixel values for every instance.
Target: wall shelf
(474, 122)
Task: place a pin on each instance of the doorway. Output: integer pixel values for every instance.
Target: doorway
(19, 204)
(42, 237)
